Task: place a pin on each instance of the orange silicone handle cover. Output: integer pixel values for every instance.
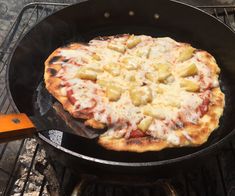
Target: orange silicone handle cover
(15, 126)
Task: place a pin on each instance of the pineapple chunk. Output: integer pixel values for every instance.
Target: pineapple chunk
(96, 57)
(143, 52)
(131, 63)
(159, 111)
(118, 48)
(130, 76)
(189, 85)
(113, 69)
(151, 76)
(185, 54)
(113, 92)
(161, 66)
(163, 75)
(163, 71)
(95, 68)
(160, 90)
(102, 83)
(170, 79)
(86, 74)
(133, 41)
(154, 112)
(140, 95)
(145, 123)
(188, 70)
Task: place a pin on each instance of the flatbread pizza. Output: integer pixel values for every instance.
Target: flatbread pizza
(149, 93)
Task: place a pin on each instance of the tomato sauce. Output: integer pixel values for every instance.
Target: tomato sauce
(203, 108)
(137, 133)
(70, 97)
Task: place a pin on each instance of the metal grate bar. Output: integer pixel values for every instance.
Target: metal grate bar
(1, 94)
(29, 170)
(3, 66)
(215, 13)
(3, 150)
(8, 109)
(53, 9)
(42, 186)
(7, 190)
(3, 100)
(4, 171)
(27, 23)
(42, 12)
(226, 18)
(5, 44)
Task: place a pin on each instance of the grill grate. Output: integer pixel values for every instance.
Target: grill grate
(213, 179)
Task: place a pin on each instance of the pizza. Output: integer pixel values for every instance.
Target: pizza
(148, 93)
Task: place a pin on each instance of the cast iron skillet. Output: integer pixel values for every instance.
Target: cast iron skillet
(89, 19)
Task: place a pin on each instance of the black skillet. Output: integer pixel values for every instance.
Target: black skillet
(89, 19)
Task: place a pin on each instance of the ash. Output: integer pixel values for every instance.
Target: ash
(30, 182)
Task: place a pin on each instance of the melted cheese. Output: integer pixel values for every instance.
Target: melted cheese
(168, 100)
(69, 54)
(83, 92)
(190, 100)
(158, 129)
(172, 138)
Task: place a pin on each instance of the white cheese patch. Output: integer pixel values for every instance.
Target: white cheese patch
(190, 100)
(69, 72)
(158, 129)
(172, 138)
(84, 93)
(72, 53)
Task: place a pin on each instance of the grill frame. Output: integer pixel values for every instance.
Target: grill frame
(29, 16)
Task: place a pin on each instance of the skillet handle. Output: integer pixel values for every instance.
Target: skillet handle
(15, 126)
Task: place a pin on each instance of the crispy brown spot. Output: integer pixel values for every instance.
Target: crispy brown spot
(120, 35)
(134, 141)
(52, 71)
(54, 59)
(104, 38)
(208, 55)
(65, 60)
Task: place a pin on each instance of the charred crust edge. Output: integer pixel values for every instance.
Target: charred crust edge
(54, 59)
(52, 71)
(104, 38)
